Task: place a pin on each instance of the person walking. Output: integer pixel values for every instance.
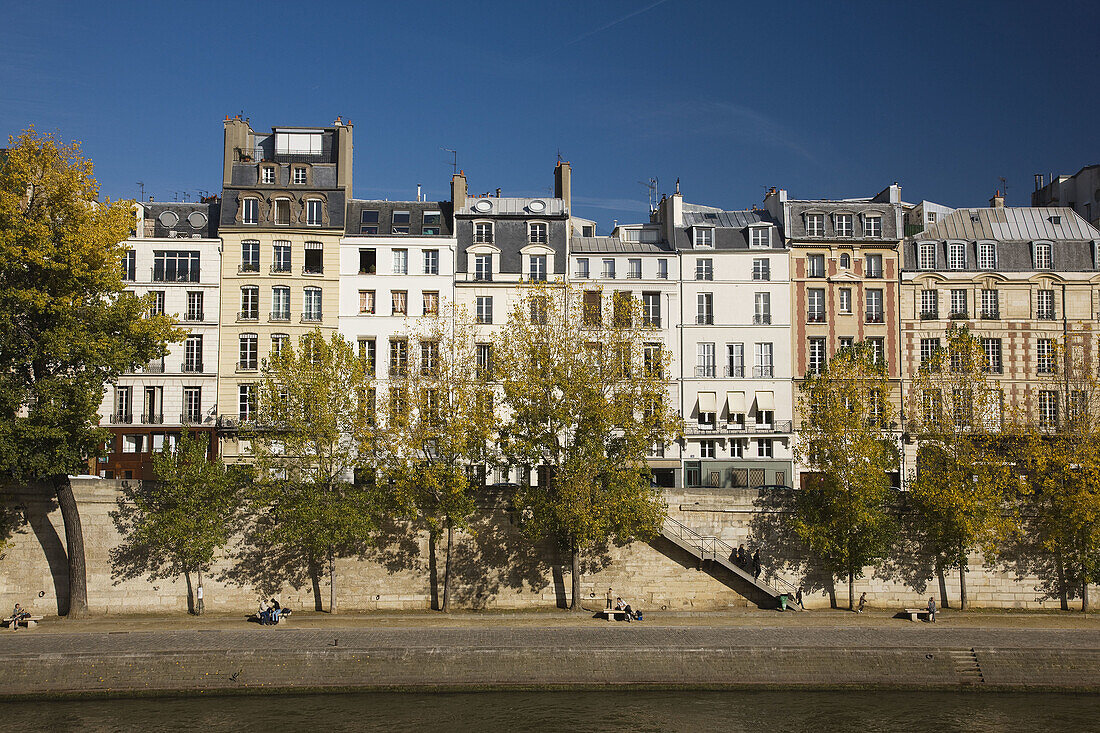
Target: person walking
(798, 598)
(756, 565)
(932, 609)
(609, 597)
(862, 602)
(742, 557)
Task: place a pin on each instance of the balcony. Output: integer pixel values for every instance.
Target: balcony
(311, 318)
(248, 366)
(280, 316)
(483, 277)
(874, 274)
(280, 269)
(313, 270)
(1045, 315)
(398, 371)
(195, 316)
(121, 418)
(248, 315)
(156, 367)
(192, 419)
(192, 367)
(248, 267)
(815, 273)
(707, 372)
(930, 315)
(581, 275)
(991, 315)
(737, 372)
(762, 319)
(815, 317)
(961, 315)
(152, 418)
(704, 319)
(765, 275)
(763, 371)
(875, 317)
(776, 427)
(993, 369)
(652, 321)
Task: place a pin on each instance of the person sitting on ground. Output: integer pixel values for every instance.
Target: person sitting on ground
(862, 602)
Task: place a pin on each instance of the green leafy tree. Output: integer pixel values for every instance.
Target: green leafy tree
(962, 491)
(176, 524)
(67, 326)
(842, 514)
(442, 420)
(316, 454)
(585, 398)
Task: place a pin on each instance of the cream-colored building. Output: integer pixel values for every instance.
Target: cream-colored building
(284, 197)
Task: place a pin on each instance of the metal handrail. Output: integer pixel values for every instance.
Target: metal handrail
(709, 547)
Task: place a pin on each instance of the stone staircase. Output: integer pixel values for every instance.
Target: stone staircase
(714, 554)
(966, 667)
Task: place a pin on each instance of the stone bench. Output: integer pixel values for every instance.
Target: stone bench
(915, 614)
(612, 614)
(29, 621)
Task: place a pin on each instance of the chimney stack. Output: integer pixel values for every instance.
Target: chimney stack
(498, 191)
(563, 184)
(997, 202)
(458, 190)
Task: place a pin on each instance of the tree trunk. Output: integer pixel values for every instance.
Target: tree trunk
(315, 581)
(1085, 596)
(433, 570)
(190, 592)
(332, 582)
(1063, 590)
(832, 592)
(851, 590)
(447, 567)
(944, 600)
(74, 548)
(200, 603)
(962, 584)
(575, 581)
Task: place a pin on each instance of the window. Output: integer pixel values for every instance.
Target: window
(133, 443)
(705, 367)
(182, 267)
(874, 306)
(194, 306)
(299, 177)
(280, 256)
(762, 309)
(704, 268)
(1044, 351)
(314, 210)
(429, 357)
(432, 220)
(483, 267)
(582, 268)
(926, 256)
(368, 221)
(282, 212)
(431, 302)
(703, 236)
(312, 310)
(815, 303)
(250, 303)
(250, 255)
(991, 308)
(591, 308)
(845, 261)
(192, 404)
(817, 355)
(537, 233)
(1048, 409)
(431, 262)
(312, 262)
(124, 405)
(763, 366)
(761, 269)
(662, 269)
(873, 264)
(956, 256)
(192, 353)
(399, 357)
(634, 268)
(764, 448)
(843, 225)
(539, 309)
(652, 360)
(735, 360)
(367, 355)
(298, 143)
(987, 256)
(958, 304)
(246, 402)
(400, 222)
(267, 175)
(815, 265)
(872, 226)
(878, 349)
(845, 300)
(156, 307)
(250, 210)
(401, 262)
(845, 342)
(129, 266)
(537, 266)
(693, 474)
(1044, 305)
(366, 301)
(928, 349)
(280, 303)
(278, 343)
(707, 448)
(1044, 258)
(484, 313)
(609, 269)
(248, 351)
(651, 309)
(483, 232)
(992, 348)
(737, 449)
(760, 237)
(622, 303)
(815, 225)
(929, 305)
(484, 354)
(399, 302)
(704, 309)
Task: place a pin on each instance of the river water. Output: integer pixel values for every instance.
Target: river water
(612, 711)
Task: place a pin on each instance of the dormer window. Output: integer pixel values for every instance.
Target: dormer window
(1056, 219)
(843, 225)
(815, 225)
(926, 256)
(872, 226)
(313, 212)
(483, 232)
(299, 176)
(431, 223)
(267, 175)
(368, 221)
(250, 211)
(987, 256)
(537, 232)
(760, 236)
(1043, 256)
(401, 222)
(703, 237)
(956, 256)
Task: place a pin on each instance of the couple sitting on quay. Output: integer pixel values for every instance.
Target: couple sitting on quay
(271, 612)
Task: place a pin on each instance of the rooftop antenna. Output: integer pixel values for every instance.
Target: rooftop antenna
(142, 185)
(454, 160)
(559, 155)
(1004, 187)
(651, 197)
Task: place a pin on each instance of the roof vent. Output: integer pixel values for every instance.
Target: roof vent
(168, 219)
(483, 206)
(1056, 219)
(196, 219)
(537, 206)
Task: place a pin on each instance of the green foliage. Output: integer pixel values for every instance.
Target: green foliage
(177, 523)
(842, 513)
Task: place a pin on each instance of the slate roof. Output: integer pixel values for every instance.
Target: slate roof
(730, 227)
(186, 216)
(1012, 224)
(799, 208)
(504, 206)
(613, 245)
(385, 210)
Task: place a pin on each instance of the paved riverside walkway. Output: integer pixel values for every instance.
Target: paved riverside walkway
(477, 651)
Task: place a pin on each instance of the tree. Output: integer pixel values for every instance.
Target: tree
(585, 399)
(842, 512)
(1059, 459)
(67, 326)
(316, 451)
(175, 524)
(962, 489)
(441, 418)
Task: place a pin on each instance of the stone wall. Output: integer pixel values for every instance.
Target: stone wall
(493, 567)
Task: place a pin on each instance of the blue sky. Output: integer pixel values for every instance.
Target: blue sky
(823, 99)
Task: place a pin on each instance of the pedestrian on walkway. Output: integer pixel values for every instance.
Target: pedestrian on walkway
(609, 597)
(798, 598)
(932, 609)
(742, 557)
(756, 565)
(862, 602)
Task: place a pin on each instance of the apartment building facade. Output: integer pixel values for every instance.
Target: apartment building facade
(284, 196)
(1080, 192)
(174, 256)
